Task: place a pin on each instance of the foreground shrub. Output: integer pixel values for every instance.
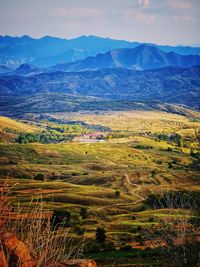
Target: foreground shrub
(100, 234)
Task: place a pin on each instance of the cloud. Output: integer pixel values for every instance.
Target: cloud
(144, 3)
(140, 16)
(75, 12)
(182, 5)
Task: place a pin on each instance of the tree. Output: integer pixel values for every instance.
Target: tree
(100, 234)
(39, 177)
(175, 232)
(61, 217)
(83, 213)
(195, 218)
(117, 193)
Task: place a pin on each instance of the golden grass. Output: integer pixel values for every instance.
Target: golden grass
(6, 122)
(135, 121)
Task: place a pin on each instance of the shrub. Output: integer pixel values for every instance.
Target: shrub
(39, 177)
(151, 219)
(83, 213)
(153, 173)
(133, 218)
(117, 193)
(170, 165)
(79, 230)
(100, 234)
(138, 238)
(126, 247)
(61, 217)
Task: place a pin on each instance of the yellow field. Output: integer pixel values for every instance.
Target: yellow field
(8, 123)
(136, 121)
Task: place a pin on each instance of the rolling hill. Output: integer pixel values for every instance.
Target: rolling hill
(8, 123)
(172, 85)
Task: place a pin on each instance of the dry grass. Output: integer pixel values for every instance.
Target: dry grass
(15, 125)
(135, 121)
(47, 246)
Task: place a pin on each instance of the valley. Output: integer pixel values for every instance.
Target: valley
(113, 180)
(99, 152)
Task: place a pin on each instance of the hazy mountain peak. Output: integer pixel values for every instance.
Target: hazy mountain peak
(26, 69)
(48, 50)
(141, 57)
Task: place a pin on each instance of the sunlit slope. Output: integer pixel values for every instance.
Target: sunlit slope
(7, 123)
(137, 121)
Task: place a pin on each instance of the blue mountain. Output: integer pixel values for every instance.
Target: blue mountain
(142, 57)
(171, 85)
(48, 51)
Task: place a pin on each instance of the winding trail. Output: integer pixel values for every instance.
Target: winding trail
(132, 188)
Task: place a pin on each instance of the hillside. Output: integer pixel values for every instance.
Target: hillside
(169, 85)
(7, 123)
(115, 181)
(25, 107)
(10, 128)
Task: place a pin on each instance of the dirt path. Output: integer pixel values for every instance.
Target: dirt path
(132, 188)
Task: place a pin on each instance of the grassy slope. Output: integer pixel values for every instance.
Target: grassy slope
(136, 121)
(6, 122)
(88, 174)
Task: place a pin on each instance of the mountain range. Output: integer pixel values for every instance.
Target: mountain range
(171, 84)
(48, 51)
(135, 72)
(142, 57)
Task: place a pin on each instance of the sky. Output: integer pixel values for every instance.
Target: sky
(156, 21)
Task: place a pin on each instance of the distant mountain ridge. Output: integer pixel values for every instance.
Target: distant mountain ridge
(48, 51)
(172, 85)
(142, 57)
(26, 69)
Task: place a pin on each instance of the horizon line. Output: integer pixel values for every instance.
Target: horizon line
(97, 36)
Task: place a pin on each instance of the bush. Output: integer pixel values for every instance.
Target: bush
(39, 177)
(151, 219)
(170, 165)
(83, 213)
(153, 173)
(126, 247)
(117, 193)
(61, 217)
(169, 149)
(100, 234)
(178, 199)
(79, 230)
(138, 238)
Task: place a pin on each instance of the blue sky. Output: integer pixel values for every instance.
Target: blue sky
(158, 21)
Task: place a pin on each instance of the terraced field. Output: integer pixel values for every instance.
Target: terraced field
(112, 180)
